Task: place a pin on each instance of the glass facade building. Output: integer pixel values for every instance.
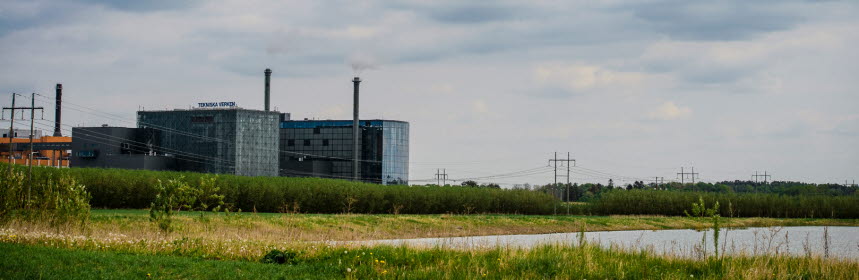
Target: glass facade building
(323, 148)
(229, 141)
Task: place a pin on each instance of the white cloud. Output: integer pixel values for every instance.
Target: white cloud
(670, 111)
(480, 106)
(583, 77)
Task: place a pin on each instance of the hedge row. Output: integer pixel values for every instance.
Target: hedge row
(673, 203)
(121, 188)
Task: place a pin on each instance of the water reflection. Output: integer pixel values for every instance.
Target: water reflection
(842, 242)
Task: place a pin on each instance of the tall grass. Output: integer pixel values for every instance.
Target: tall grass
(671, 203)
(119, 188)
(385, 262)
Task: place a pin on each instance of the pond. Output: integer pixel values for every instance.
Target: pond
(843, 242)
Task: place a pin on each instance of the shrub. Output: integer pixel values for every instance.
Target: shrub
(280, 257)
(58, 200)
(11, 191)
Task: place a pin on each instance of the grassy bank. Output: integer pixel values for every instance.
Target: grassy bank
(314, 227)
(246, 236)
(382, 262)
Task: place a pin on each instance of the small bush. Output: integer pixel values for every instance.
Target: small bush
(11, 193)
(58, 200)
(280, 257)
(167, 196)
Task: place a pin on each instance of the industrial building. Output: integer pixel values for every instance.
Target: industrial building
(219, 137)
(47, 150)
(324, 148)
(118, 147)
(227, 141)
(30, 146)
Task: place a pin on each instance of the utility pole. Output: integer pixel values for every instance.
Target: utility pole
(683, 174)
(554, 162)
(567, 187)
(32, 109)
(441, 175)
(765, 176)
(11, 128)
(555, 185)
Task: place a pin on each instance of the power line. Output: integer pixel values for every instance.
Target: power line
(756, 176)
(683, 174)
(568, 161)
(441, 176)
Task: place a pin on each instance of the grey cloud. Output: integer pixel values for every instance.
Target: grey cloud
(463, 12)
(144, 6)
(717, 20)
(472, 13)
(37, 14)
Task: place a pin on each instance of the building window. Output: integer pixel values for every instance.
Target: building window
(290, 142)
(324, 142)
(202, 119)
(316, 130)
(307, 142)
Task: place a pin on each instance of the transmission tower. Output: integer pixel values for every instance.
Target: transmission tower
(683, 174)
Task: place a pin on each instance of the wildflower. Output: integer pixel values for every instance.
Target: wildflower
(377, 260)
(382, 262)
(345, 252)
(349, 269)
(149, 275)
(384, 271)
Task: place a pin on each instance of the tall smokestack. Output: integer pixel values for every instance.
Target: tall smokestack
(267, 87)
(356, 131)
(59, 113)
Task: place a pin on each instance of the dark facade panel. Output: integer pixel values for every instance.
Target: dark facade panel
(117, 147)
(324, 149)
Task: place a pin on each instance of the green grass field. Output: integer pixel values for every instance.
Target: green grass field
(383, 262)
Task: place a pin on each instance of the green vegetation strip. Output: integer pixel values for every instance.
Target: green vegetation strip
(384, 262)
(674, 203)
(119, 188)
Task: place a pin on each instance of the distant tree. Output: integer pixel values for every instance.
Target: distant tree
(470, 183)
(525, 186)
(492, 185)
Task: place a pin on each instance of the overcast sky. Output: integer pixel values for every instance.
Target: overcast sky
(635, 89)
